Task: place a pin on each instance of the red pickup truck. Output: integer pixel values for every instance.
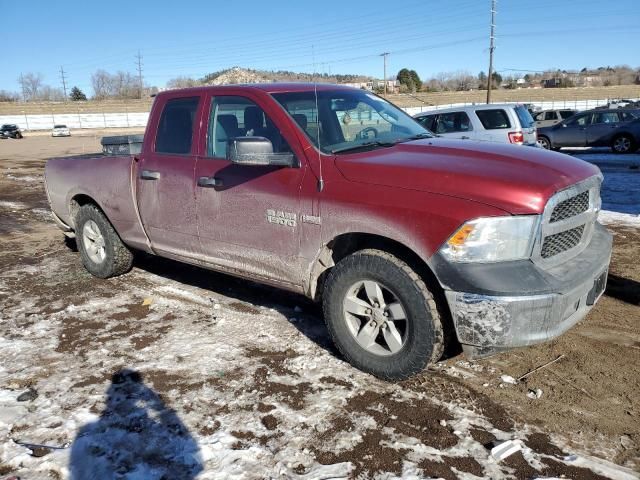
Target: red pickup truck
(335, 193)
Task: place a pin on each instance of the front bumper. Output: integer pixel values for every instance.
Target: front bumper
(514, 304)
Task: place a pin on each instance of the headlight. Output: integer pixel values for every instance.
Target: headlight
(492, 239)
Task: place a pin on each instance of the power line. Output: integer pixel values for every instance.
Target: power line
(491, 48)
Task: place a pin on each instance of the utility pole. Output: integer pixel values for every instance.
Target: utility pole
(491, 48)
(139, 64)
(384, 78)
(64, 83)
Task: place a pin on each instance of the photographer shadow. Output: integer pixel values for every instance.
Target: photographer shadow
(136, 436)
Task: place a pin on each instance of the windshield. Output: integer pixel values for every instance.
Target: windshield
(349, 120)
(59, 126)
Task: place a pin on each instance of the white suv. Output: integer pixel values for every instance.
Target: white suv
(502, 123)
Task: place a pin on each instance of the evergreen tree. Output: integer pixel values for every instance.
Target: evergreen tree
(77, 94)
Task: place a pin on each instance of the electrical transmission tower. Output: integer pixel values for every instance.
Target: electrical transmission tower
(64, 82)
(139, 65)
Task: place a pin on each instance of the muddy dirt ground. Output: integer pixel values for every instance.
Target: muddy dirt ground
(252, 385)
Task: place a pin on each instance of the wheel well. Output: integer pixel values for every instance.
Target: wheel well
(346, 244)
(77, 202)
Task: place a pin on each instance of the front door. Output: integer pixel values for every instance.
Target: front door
(165, 179)
(573, 132)
(248, 216)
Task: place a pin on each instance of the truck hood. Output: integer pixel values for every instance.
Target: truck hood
(516, 179)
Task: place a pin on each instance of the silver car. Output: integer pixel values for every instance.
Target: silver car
(501, 123)
(60, 131)
(547, 118)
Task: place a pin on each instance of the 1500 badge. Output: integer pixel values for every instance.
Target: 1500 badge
(279, 217)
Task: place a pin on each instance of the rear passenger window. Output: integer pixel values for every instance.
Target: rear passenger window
(175, 130)
(607, 117)
(493, 119)
(453, 122)
(566, 113)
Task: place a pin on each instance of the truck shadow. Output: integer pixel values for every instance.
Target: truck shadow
(623, 289)
(137, 435)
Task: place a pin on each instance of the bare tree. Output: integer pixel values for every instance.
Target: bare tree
(31, 83)
(101, 83)
(182, 82)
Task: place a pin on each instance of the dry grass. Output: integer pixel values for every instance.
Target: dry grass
(402, 100)
(524, 95)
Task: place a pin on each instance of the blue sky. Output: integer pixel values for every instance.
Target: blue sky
(197, 37)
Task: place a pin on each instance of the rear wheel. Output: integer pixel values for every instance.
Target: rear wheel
(18, 135)
(102, 252)
(381, 316)
(623, 144)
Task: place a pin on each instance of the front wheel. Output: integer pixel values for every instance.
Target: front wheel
(102, 251)
(381, 316)
(623, 144)
(544, 143)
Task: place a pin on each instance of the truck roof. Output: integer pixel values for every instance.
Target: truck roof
(266, 87)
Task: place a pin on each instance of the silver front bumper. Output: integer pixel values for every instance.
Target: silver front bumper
(517, 321)
(532, 311)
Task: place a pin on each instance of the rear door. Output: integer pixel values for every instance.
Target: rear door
(602, 128)
(496, 125)
(165, 177)
(250, 221)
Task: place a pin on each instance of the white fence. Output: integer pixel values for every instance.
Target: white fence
(77, 120)
(139, 119)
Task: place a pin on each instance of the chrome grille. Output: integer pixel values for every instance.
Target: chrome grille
(561, 242)
(570, 207)
(567, 222)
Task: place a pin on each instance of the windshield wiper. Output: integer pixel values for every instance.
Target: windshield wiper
(375, 143)
(416, 137)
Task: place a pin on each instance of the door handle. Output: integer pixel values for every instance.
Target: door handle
(149, 175)
(464, 137)
(210, 182)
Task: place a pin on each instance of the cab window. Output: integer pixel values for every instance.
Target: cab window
(175, 130)
(234, 116)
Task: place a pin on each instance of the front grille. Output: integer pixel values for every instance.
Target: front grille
(570, 207)
(561, 242)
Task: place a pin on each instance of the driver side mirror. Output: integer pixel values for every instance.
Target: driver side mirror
(257, 151)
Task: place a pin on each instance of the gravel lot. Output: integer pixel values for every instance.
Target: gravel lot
(175, 372)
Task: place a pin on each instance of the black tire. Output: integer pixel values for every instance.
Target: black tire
(622, 144)
(423, 334)
(118, 259)
(18, 135)
(544, 142)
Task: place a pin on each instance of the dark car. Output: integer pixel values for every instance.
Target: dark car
(615, 128)
(10, 130)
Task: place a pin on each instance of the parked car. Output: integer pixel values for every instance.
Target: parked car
(615, 128)
(10, 130)
(547, 118)
(402, 236)
(60, 131)
(502, 123)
